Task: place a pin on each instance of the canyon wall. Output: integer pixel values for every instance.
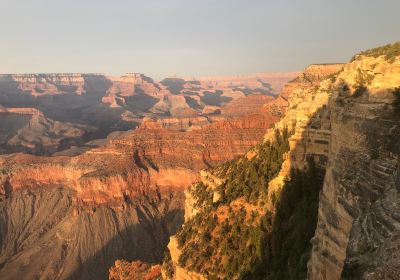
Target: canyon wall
(358, 225)
(348, 125)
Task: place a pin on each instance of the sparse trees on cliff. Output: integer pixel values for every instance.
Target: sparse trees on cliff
(240, 240)
(396, 103)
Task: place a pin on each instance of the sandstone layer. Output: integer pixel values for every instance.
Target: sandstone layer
(359, 202)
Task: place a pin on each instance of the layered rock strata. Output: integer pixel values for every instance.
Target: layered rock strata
(358, 205)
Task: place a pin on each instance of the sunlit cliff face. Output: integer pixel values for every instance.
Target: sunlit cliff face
(362, 168)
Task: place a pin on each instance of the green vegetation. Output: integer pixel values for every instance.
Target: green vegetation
(396, 103)
(390, 52)
(236, 238)
(363, 79)
(294, 225)
(167, 264)
(202, 194)
(286, 244)
(359, 91)
(226, 239)
(249, 178)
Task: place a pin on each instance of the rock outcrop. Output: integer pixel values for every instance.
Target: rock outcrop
(28, 130)
(67, 217)
(39, 84)
(123, 270)
(358, 226)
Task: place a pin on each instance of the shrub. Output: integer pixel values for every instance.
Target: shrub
(359, 91)
(241, 237)
(363, 78)
(284, 252)
(167, 265)
(396, 103)
(390, 52)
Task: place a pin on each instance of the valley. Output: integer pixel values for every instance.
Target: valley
(98, 200)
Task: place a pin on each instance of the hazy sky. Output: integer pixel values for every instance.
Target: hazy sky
(184, 37)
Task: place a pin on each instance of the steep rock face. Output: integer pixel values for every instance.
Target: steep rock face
(350, 131)
(73, 217)
(358, 225)
(65, 98)
(319, 72)
(134, 91)
(21, 111)
(181, 124)
(38, 84)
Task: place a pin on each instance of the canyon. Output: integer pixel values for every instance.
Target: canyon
(267, 176)
(95, 200)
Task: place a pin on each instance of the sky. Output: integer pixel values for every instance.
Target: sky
(163, 38)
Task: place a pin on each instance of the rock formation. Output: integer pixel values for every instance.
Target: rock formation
(245, 105)
(358, 226)
(70, 216)
(123, 270)
(261, 82)
(28, 130)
